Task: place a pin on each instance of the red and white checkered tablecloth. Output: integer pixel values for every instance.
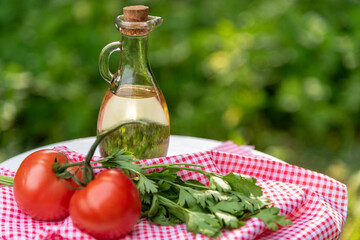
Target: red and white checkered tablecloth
(316, 203)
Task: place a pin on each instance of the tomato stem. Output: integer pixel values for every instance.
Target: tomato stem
(67, 165)
(101, 136)
(88, 173)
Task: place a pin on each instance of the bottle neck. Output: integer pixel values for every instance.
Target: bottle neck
(134, 65)
(134, 52)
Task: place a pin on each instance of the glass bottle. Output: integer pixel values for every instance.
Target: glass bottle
(133, 93)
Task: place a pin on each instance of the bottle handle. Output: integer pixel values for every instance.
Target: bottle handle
(104, 60)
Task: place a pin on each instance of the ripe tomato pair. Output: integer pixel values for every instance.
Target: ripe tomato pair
(108, 207)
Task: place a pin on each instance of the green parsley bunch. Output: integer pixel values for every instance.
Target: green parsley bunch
(227, 202)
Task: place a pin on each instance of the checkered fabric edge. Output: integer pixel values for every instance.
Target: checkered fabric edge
(316, 203)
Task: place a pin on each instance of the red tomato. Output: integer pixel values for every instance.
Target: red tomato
(108, 207)
(37, 190)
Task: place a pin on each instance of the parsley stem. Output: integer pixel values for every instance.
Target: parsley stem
(196, 185)
(6, 181)
(97, 167)
(172, 164)
(174, 208)
(207, 174)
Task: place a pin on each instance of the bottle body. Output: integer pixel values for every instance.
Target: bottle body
(135, 103)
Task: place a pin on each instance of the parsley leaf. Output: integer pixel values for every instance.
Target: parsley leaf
(227, 220)
(204, 223)
(271, 218)
(186, 197)
(243, 184)
(146, 185)
(216, 183)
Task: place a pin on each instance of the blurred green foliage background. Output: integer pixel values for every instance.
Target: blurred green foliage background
(282, 75)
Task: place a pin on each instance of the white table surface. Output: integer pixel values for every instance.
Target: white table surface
(178, 145)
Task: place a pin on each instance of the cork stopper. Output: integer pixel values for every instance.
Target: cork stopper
(137, 13)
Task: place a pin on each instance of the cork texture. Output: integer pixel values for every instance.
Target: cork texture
(137, 13)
